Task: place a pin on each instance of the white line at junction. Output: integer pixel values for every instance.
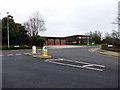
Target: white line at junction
(75, 66)
(1, 55)
(9, 54)
(18, 54)
(86, 63)
(26, 53)
(88, 66)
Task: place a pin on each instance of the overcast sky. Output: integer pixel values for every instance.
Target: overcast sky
(65, 17)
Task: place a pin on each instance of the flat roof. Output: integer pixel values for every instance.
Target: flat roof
(65, 37)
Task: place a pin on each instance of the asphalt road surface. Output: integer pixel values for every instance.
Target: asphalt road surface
(69, 68)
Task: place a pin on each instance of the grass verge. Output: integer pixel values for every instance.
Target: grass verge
(12, 47)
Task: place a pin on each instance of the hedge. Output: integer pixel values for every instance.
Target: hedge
(115, 48)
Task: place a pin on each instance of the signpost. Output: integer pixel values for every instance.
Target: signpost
(110, 46)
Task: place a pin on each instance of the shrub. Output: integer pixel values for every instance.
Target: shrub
(37, 40)
(14, 48)
(115, 48)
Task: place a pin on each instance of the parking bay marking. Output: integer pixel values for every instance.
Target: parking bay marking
(82, 64)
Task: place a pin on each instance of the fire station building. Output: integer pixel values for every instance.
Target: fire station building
(69, 40)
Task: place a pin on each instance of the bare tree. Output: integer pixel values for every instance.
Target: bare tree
(107, 35)
(96, 36)
(112, 38)
(115, 35)
(107, 38)
(35, 24)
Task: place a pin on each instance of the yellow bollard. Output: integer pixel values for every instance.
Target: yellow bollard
(33, 49)
(45, 51)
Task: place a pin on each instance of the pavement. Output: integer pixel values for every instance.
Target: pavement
(66, 46)
(105, 52)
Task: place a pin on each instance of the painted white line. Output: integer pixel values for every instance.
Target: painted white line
(94, 68)
(93, 65)
(9, 54)
(84, 66)
(18, 54)
(1, 55)
(75, 66)
(26, 53)
(15, 50)
(54, 59)
(87, 65)
(74, 61)
(84, 63)
(98, 65)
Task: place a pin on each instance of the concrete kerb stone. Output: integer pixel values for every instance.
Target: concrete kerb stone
(104, 52)
(37, 55)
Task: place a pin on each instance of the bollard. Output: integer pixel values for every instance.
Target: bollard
(33, 49)
(45, 51)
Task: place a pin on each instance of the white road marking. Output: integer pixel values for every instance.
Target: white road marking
(47, 60)
(98, 65)
(61, 59)
(94, 68)
(12, 54)
(18, 54)
(82, 62)
(1, 55)
(15, 50)
(87, 65)
(75, 66)
(26, 53)
(9, 54)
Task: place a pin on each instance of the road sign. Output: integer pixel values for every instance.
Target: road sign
(110, 45)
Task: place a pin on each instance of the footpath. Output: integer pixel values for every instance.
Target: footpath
(105, 52)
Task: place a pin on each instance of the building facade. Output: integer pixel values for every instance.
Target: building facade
(55, 41)
(78, 39)
(69, 40)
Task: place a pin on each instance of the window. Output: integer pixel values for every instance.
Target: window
(79, 37)
(74, 42)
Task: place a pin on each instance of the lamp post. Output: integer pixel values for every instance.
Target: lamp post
(87, 40)
(8, 28)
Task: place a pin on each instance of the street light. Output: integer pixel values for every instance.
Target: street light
(8, 28)
(87, 40)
